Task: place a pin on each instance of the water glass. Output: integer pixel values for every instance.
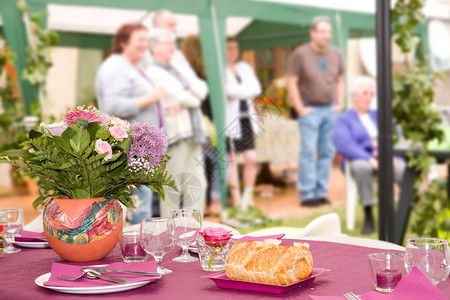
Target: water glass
(213, 258)
(387, 270)
(12, 220)
(131, 248)
(187, 224)
(157, 239)
(431, 256)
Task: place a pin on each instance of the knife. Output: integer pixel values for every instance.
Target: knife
(122, 271)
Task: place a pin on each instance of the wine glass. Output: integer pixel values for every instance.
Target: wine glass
(187, 224)
(429, 255)
(12, 221)
(157, 239)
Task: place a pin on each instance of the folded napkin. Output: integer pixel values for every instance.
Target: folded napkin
(260, 238)
(414, 285)
(74, 270)
(30, 236)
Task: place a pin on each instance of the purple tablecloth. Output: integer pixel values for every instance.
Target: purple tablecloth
(348, 264)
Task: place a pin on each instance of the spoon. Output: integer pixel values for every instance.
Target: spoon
(94, 274)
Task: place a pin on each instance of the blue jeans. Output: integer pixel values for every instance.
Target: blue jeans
(143, 208)
(316, 151)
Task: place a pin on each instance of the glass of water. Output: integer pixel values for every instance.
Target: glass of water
(12, 220)
(429, 255)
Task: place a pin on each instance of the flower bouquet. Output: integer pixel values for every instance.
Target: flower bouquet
(90, 155)
(214, 244)
(85, 166)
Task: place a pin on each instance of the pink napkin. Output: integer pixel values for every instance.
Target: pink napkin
(74, 270)
(260, 238)
(30, 236)
(415, 285)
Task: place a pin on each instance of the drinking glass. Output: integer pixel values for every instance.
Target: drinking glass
(187, 224)
(157, 239)
(12, 220)
(429, 255)
(387, 270)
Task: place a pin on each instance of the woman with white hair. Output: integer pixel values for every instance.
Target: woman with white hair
(355, 138)
(183, 124)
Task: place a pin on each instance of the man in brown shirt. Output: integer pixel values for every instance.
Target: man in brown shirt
(316, 91)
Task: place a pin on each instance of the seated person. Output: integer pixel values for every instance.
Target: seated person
(355, 138)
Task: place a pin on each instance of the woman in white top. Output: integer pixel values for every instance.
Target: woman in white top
(241, 123)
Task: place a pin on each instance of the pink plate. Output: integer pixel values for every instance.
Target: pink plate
(222, 281)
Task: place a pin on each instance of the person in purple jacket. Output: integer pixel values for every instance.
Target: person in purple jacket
(355, 138)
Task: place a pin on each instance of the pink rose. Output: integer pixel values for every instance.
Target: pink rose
(118, 133)
(216, 236)
(103, 147)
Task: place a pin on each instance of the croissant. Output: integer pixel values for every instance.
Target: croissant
(268, 263)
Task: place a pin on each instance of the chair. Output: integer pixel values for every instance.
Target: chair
(325, 225)
(328, 224)
(37, 225)
(351, 194)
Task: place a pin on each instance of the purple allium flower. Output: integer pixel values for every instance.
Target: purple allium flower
(148, 146)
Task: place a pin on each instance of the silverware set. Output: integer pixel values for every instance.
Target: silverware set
(94, 273)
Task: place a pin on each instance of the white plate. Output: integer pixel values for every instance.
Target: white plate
(35, 245)
(193, 249)
(89, 290)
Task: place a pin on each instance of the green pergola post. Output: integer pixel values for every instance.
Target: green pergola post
(16, 37)
(212, 37)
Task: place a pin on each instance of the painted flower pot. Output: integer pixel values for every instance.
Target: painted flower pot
(82, 229)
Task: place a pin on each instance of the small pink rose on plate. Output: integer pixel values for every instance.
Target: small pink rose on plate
(216, 236)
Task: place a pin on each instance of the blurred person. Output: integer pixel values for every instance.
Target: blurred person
(192, 50)
(355, 138)
(123, 90)
(316, 90)
(241, 87)
(183, 123)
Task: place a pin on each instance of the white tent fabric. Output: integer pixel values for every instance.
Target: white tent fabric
(107, 20)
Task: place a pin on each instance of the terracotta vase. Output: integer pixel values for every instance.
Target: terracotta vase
(82, 229)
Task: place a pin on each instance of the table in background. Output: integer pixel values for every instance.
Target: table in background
(407, 190)
(348, 265)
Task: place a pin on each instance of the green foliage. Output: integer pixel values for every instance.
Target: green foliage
(433, 212)
(418, 121)
(252, 218)
(70, 166)
(39, 55)
(11, 112)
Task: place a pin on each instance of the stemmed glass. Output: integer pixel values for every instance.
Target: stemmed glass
(187, 224)
(157, 239)
(429, 255)
(12, 221)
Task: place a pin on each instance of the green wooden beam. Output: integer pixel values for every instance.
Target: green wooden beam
(16, 38)
(85, 40)
(212, 37)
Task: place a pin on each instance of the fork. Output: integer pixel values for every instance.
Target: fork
(351, 296)
(70, 278)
